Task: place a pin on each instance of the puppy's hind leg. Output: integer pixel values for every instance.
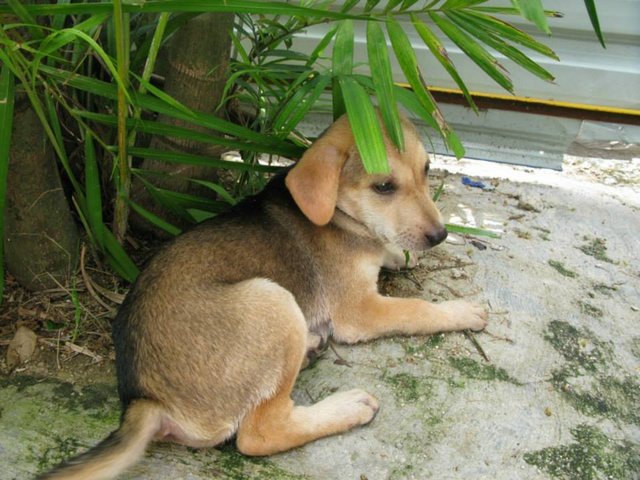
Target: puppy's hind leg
(276, 424)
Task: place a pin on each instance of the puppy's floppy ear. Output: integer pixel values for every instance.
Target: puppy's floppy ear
(313, 182)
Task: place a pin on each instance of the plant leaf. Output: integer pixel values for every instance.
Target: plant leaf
(533, 11)
(593, 16)
(93, 192)
(506, 31)
(154, 219)
(439, 51)
(474, 51)
(22, 11)
(118, 258)
(471, 231)
(512, 11)
(300, 103)
(216, 187)
(501, 46)
(58, 39)
(206, 120)
(365, 125)
(162, 198)
(192, 159)
(341, 64)
(322, 45)
(155, 127)
(382, 77)
(7, 101)
(196, 6)
(409, 64)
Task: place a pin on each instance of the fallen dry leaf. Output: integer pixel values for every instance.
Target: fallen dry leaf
(21, 347)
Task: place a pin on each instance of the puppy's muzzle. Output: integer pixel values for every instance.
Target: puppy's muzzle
(436, 237)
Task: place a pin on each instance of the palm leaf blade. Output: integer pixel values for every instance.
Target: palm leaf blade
(7, 101)
(365, 126)
(440, 53)
(383, 83)
(501, 46)
(593, 16)
(533, 11)
(476, 53)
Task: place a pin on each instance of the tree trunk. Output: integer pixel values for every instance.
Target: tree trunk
(41, 238)
(197, 67)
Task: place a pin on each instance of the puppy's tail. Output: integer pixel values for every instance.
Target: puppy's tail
(124, 447)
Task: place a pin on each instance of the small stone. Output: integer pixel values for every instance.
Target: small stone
(21, 347)
(458, 274)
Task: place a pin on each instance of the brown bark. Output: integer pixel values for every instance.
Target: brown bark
(41, 239)
(196, 72)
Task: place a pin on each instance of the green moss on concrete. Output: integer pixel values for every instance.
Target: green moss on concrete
(51, 422)
(591, 310)
(635, 347)
(419, 347)
(596, 248)
(402, 472)
(607, 396)
(604, 289)
(407, 387)
(525, 235)
(481, 371)
(561, 269)
(62, 448)
(543, 233)
(20, 382)
(592, 456)
(230, 464)
(580, 347)
(585, 380)
(97, 400)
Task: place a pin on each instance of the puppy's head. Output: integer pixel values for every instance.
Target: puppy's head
(395, 207)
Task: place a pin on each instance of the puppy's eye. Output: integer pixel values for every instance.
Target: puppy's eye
(384, 188)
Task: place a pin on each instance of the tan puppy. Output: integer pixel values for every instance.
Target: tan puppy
(211, 337)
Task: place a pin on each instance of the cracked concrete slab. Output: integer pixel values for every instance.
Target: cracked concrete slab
(550, 390)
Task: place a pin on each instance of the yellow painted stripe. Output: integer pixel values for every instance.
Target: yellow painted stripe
(539, 101)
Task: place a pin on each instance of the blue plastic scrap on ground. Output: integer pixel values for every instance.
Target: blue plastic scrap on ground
(473, 183)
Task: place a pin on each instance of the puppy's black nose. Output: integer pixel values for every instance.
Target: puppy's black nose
(434, 238)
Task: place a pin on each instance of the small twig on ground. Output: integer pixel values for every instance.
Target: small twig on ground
(472, 338)
(412, 277)
(83, 351)
(452, 290)
(340, 360)
(449, 267)
(93, 286)
(58, 364)
(499, 337)
(72, 347)
(313, 400)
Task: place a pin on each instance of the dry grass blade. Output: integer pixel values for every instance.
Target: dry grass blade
(94, 289)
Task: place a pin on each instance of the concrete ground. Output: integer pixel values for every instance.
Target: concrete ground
(550, 390)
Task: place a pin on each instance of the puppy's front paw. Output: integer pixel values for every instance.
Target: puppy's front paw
(355, 407)
(462, 315)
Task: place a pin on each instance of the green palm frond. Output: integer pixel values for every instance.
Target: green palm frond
(88, 69)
